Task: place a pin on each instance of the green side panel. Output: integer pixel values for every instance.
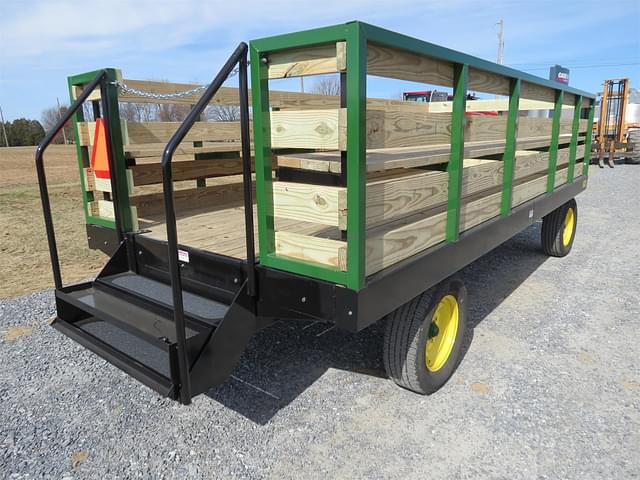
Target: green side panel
(458, 118)
(508, 158)
(574, 138)
(587, 140)
(553, 148)
(263, 156)
(356, 156)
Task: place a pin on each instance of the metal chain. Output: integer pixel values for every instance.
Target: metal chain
(167, 96)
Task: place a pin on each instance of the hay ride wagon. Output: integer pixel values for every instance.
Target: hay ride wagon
(365, 207)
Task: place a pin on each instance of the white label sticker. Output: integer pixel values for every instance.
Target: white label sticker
(531, 213)
(183, 256)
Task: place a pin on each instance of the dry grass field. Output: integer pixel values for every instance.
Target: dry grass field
(24, 256)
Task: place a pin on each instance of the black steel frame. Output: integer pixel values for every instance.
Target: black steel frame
(239, 57)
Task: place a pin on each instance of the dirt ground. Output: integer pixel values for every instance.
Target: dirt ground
(24, 256)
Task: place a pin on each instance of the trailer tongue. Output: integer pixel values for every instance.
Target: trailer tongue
(365, 207)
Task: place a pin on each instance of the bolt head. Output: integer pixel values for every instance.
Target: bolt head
(303, 299)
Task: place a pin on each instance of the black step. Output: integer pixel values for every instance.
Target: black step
(150, 326)
(140, 351)
(124, 330)
(152, 291)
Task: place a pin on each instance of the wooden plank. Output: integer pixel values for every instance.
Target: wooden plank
(403, 65)
(312, 249)
(391, 198)
(388, 200)
(314, 129)
(492, 105)
(94, 183)
(391, 243)
(537, 92)
(104, 209)
(326, 129)
(304, 61)
(560, 177)
(386, 247)
(309, 203)
(150, 173)
(488, 82)
(87, 130)
(155, 150)
(528, 190)
(396, 128)
(161, 132)
(192, 198)
(405, 157)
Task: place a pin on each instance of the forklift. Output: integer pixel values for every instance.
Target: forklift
(613, 134)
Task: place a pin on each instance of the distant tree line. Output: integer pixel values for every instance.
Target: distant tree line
(21, 132)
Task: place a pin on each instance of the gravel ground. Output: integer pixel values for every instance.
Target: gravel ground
(549, 387)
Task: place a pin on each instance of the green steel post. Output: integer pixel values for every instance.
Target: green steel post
(81, 152)
(455, 166)
(263, 156)
(577, 112)
(555, 134)
(508, 158)
(117, 150)
(356, 155)
(587, 139)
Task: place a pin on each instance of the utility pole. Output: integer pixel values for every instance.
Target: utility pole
(64, 134)
(500, 41)
(301, 84)
(4, 129)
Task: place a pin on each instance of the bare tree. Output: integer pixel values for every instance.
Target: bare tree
(223, 113)
(327, 86)
(51, 116)
(172, 112)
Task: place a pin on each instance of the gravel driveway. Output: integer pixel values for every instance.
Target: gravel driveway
(549, 387)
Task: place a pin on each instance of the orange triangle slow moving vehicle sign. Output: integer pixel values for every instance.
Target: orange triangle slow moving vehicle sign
(100, 154)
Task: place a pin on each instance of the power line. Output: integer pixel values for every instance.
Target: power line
(601, 65)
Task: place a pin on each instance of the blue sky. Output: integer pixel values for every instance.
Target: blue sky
(187, 40)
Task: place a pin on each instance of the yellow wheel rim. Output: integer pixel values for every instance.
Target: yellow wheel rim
(442, 333)
(569, 225)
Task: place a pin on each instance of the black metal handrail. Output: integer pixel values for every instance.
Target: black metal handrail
(239, 56)
(101, 79)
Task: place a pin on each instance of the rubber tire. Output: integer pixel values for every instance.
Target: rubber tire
(552, 228)
(406, 336)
